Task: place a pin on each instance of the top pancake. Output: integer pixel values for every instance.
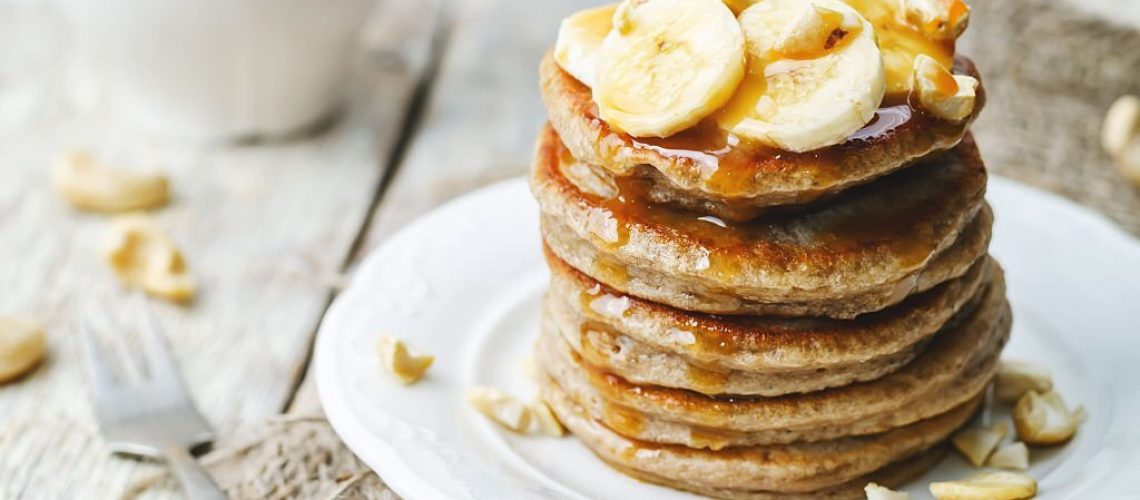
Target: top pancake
(707, 170)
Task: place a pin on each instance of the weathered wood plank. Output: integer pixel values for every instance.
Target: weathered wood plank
(264, 228)
(480, 120)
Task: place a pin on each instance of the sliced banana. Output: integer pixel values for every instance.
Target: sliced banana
(947, 96)
(667, 64)
(815, 74)
(579, 39)
(987, 486)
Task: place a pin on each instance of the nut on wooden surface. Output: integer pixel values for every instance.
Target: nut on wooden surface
(143, 256)
(22, 347)
(88, 185)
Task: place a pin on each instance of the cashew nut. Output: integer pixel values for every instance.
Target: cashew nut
(88, 185)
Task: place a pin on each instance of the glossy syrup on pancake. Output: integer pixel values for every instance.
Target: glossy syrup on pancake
(761, 343)
(957, 365)
(729, 163)
(921, 200)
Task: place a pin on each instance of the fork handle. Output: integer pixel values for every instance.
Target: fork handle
(195, 481)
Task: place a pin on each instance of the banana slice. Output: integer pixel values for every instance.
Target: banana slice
(815, 74)
(667, 64)
(579, 39)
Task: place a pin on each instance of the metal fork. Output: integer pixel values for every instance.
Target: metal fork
(154, 416)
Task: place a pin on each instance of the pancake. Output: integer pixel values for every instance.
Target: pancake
(956, 366)
(706, 169)
(763, 344)
(861, 252)
(790, 468)
(891, 476)
(639, 363)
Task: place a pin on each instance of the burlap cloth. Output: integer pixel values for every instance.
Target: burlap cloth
(1050, 74)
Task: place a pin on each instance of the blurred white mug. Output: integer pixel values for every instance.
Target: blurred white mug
(220, 69)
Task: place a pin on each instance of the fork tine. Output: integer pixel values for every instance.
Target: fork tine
(99, 371)
(160, 362)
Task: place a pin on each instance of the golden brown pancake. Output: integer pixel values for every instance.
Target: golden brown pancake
(713, 172)
(863, 251)
(764, 344)
(788, 468)
(640, 363)
(955, 367)
(891, 476)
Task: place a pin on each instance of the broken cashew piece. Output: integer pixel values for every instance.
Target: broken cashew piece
(88, 185)
(501, 408)
(1015, 378)
(977, 443)
(544, 421)
(408, 367)
(987, 486)
(876, 492)
(945, 95)
(1120, 136)
(142, 255)
(22, 347)
(1010, 456)
(1043, 419)
(939, 19)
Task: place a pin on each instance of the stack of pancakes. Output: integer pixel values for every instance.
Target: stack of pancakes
(742, 322)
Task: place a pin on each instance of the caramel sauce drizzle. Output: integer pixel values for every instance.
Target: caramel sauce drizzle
(899, 229)
(730, 163)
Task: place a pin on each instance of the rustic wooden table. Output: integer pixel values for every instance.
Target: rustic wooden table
(446, 101)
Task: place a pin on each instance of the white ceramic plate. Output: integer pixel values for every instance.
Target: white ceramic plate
(464, 284)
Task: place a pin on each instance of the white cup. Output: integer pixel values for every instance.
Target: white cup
(219, 69)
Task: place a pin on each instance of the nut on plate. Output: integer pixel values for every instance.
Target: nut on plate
(1010, 456)
(1120, 136)
(22, 347)
(1015, 378)
(544, 421)
(1044, 419)
(501, 408)
(876, 492)
(943, 94)
(1001, 485)
(142, 255)
(977, 443)
(408, 367)
(88, 185)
